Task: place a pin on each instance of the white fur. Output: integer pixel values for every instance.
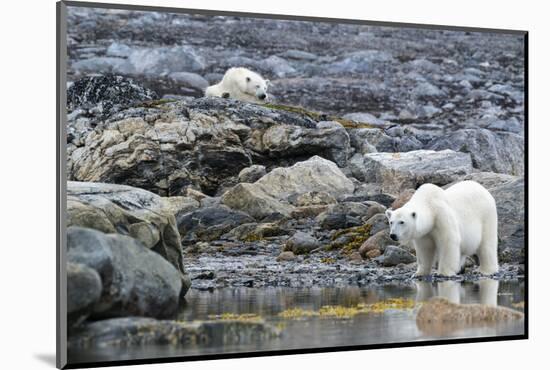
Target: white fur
(448, 225)
(241, 84)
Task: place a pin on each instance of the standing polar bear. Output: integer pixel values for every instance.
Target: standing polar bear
(448, 225)
(241, 84)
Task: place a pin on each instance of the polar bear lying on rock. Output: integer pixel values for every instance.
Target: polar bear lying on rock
(448, 225)
(241, 84)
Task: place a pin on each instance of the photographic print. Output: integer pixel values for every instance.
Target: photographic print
(247, 184)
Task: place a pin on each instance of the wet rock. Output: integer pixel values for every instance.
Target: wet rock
(135, 281)
(286, 256)
(439, 311)
(83, 292)
(134, 331)
(393, 256)
(128, 211)
(398, 171)
(252, 173)
(490, 151)
(301, 243)
(206, 224)
(377, 241)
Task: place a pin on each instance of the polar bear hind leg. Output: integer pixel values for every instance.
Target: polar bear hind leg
(488, 250)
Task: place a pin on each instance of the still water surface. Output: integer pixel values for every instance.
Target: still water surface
(392, 326)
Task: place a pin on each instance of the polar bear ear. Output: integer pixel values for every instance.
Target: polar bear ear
(248, 79)
(414, 214)
(388, 213)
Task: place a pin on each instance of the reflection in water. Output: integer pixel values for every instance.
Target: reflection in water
(440, 318)
(455, 292)
(392, 326)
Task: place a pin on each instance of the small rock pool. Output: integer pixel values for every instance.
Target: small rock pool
(328, 317)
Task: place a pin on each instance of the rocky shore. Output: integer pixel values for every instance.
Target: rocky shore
(170, 191)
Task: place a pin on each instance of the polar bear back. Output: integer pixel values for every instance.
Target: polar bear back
(475, 210)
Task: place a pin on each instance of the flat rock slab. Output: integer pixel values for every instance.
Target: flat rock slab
(398, 171)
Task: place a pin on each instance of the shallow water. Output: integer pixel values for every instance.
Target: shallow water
(392, 326)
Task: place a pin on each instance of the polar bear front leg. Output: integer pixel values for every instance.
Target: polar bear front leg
(448, 248)
(425, 253)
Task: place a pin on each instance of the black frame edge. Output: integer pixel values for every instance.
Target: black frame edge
(288, 17)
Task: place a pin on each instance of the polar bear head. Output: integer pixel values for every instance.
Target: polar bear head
(402, 224)
(248, 82)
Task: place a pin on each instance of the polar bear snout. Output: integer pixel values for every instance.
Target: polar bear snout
(394, 237)
(262, 96)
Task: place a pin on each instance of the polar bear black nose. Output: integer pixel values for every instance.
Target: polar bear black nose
(262, 96)
(393, 237)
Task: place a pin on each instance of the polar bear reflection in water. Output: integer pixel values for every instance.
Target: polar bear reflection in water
(454, 292)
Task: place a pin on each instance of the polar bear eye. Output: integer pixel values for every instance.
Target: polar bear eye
(248, 79)
(257, 86)
(401, 222)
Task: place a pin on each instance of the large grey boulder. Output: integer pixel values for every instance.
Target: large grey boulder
(273, 192)
(315, 174)
(510, 200)
(502, 152)
(398, 171)
(83, 292)
(253, 200)
(128, 211)
(135, 280)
